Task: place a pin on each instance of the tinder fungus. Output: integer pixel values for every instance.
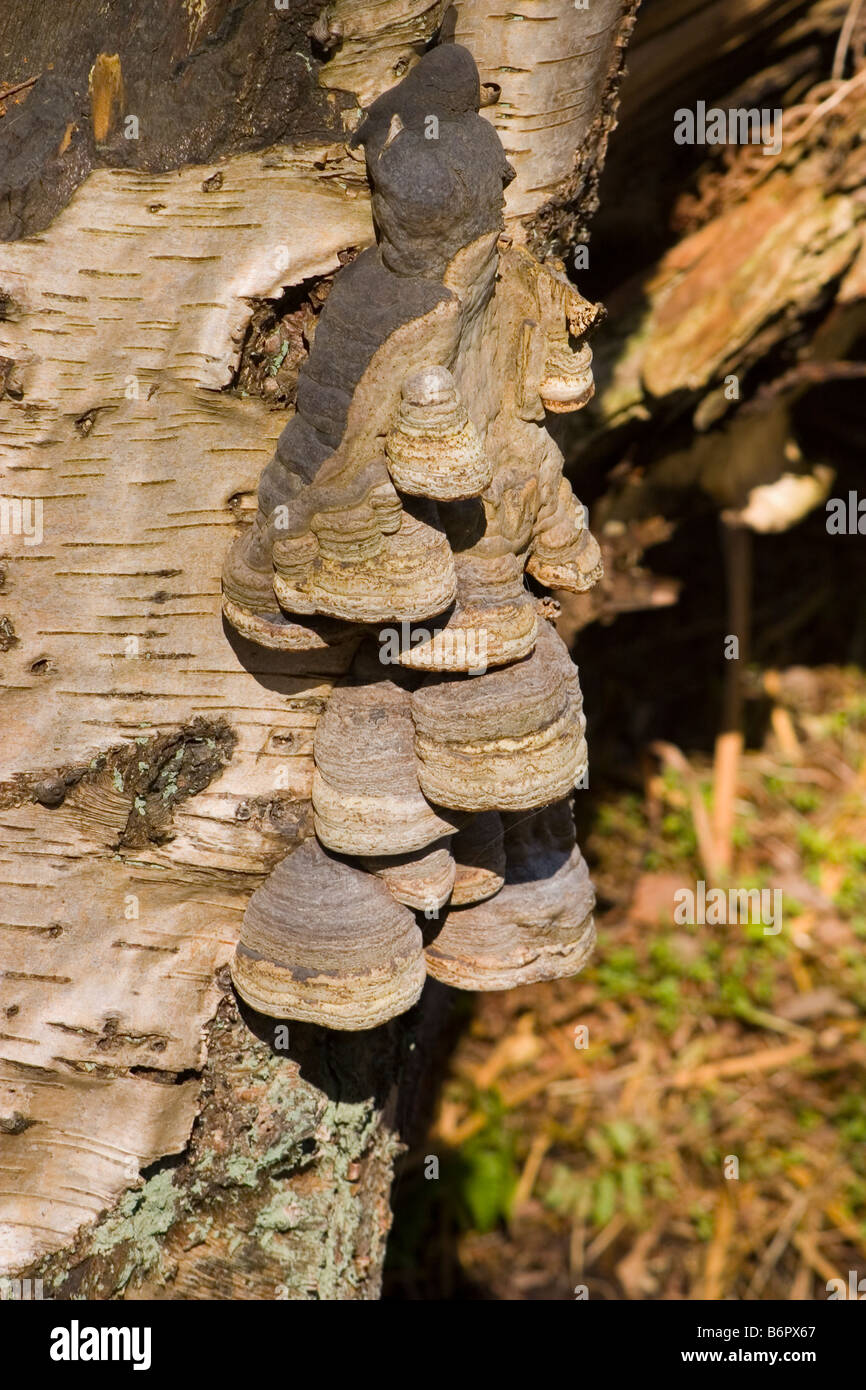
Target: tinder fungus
(479, 857)
(565, 554)
(356, 565)
(567, 383)
(366, 796)
(409, 495)
(323, 942)
(433, 448)
(277, 632)
(492, 623)
(510, 739)
(422, 880)
(538, 927)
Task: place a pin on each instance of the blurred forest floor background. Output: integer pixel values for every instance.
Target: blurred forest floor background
(604, 1165)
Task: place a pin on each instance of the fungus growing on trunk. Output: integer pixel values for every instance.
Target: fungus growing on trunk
(538, 927)
(433, 447)
(493, 621)
(410, 493)
(366, 797)
(325, 943)
(423, 880)
(508, 740)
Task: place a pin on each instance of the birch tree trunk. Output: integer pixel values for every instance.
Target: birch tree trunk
(176, 193)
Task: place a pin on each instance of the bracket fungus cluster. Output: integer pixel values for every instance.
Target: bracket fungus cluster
(409, 497)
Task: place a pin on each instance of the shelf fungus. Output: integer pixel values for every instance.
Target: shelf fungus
(565, 553)
(366, 796)
(433, 447)
(324, 942)
(538, 927)
(493, 621)
(423, 880)
(413, 495)
(360, 555)
(511, 739)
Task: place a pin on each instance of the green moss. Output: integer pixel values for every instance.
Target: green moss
(702, 1220)
(623, 1136)
(631, 1182)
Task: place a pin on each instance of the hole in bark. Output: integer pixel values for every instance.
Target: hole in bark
(278, 337)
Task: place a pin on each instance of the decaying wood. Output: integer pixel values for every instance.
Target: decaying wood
(155, 769)
(788, 229)
(756, 294)
(204, 79)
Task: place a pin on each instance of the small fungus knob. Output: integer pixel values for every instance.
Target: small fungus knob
(50, 791)
(430, 386)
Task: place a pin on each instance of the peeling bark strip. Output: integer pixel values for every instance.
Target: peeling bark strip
(121, 328)
(800, 213)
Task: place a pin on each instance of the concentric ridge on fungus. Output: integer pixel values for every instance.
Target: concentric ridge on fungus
(538, 927)
(412, 491)
(325, 943)
(433, 447)
(509, 740)
(423, 879)
(493, 621)
(366, 797)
